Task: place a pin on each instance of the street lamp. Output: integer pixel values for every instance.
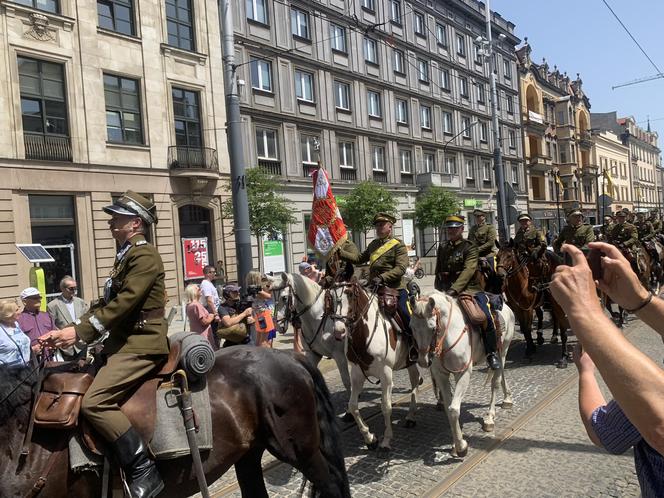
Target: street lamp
(487, 51)
(454, 138)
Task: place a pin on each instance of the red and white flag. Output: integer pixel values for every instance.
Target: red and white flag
(327, 230)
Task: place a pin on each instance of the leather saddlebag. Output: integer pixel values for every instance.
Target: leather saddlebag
(59, 402)
(388, 300)
(235, 333)
(472, 310)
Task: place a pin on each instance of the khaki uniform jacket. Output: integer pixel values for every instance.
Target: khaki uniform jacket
(624, 234)
(137, 283)
(644, 229)
(578, 236)
(526, 240)
(456, 267)
(390, 266)
(484, 237)
(656, 225)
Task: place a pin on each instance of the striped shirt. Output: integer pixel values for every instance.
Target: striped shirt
(617, 434)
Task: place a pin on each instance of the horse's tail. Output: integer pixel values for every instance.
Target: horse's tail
(330, 435)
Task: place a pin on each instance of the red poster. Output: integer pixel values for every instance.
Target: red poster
(195, 255)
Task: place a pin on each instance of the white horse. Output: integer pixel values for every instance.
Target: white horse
(375, 349)
(321, 336)
(449, 346)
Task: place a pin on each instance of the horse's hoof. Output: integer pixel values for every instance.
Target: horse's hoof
(384, 451)
(507, 405)
(462, 453)
(540, 339)
(410, 424)
(347, 418)
(562, 363)
(554, 339)
(372, 445)
(440, 407)
(488, 427)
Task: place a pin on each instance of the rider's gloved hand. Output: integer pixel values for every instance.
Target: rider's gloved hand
(377, 281)
(452, 293)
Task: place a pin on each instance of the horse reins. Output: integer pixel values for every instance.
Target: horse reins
(439, 350)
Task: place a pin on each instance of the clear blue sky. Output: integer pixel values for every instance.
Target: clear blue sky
(582, 36)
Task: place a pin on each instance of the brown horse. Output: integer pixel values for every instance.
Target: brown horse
(525, 284)
(261, 399)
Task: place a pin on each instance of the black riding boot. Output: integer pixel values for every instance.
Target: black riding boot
(142, 476)
(489, 337)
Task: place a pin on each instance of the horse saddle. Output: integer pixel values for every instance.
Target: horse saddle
(64, 384)
(472, 309)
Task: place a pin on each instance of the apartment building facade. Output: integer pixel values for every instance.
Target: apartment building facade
(615, 180)
(557, 143)
(395, 92)
(100, 98)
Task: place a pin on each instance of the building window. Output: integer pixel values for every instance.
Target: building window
(510, 104)
(429, 162)
(470, 169)
(116, 15)
(507, 69)
(481, 93)
(342, 95)
(123, 110)
(486, 171)
(346, 156)
(463, 86)
(402, 111)
(466, 125)
(405, 161)
(420, 24)
(445, 79)
(461, 45)
(338, 38)
(257, 11)
(395, 11)
(423, 70)
(511, 137)
(399, 65)
(180, 25)
(484, 132)
(187, 118)
(266, 144)
(377, 158)
(476, 54)
(46, 5)
(515, 174)
(373, 104)
(450, 166)
(300, 24)
(425, 117)
(304, 86)
(441, 35)
(370, 51)
(261, 75)
(368, 5)
(448, 123)
(43, 98)
(308, 150)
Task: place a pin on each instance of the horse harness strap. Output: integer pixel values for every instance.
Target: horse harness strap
(53, 459)
(440, 351)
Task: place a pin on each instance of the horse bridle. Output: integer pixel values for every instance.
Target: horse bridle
(510, 272)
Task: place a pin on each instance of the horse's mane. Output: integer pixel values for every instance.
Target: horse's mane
(15, 392)
(306, 288)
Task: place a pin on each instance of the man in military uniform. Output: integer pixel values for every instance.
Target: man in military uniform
(456, 269)
(606, 227)
(388, 260)
(484, 236)
(130, 321)
(625, 236)
(644, 227)
(575, 232)
(656, 222)
(528, 240)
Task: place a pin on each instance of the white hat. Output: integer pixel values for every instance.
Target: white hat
(30, 292)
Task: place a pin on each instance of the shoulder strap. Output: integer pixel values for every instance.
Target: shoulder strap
(382, 250)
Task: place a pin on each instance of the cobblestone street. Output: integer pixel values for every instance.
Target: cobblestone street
(539, 447)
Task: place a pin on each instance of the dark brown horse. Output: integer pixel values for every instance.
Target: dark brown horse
(525, 286)
(261, 400)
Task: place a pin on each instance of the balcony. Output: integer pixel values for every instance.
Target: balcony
(270, 166)
(407, 178)
(438, 180)
(585, 140)
(193, 162)
(47, 147)
(540, 163)
(380, 176)
(534, 123)
(348, 174)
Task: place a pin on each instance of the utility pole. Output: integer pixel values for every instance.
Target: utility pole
(235, 152)
(503, 229)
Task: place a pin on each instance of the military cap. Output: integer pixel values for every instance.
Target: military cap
(572, 212)
(132, 204)
(454, 221)
(479, 212)
(524, 216)
(625, 210)
(621, 214)
(654, 211)
(379, 217)
(641, 213)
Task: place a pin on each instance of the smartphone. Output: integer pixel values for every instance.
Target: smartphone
(595, 263)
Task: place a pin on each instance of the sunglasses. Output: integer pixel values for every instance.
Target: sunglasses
(72, 288)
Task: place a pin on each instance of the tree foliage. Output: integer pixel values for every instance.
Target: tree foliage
(269, 212)
(363, 202)
(434, 205)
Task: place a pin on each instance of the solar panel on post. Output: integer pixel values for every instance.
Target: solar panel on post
(35, 253)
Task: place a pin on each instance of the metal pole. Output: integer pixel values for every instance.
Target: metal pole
(503, 229)
(557, 199)
(235, 152)
(603, 193)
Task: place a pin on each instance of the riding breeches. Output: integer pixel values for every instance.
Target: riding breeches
(489, 332)
(404, 310)
(113, 384)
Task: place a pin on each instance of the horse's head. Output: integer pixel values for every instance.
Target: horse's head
(425, 324)
(506, 259)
